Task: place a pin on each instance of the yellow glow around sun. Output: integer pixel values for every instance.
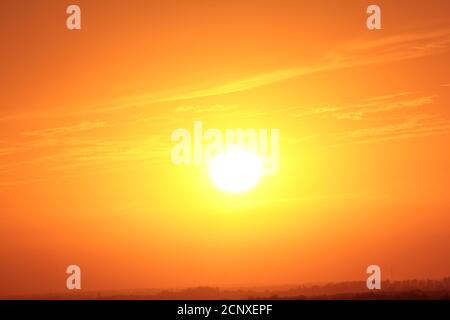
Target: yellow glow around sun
(235, 170)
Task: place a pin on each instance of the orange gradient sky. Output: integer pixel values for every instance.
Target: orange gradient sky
(86, 116)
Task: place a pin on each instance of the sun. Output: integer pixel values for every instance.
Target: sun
(235, 170)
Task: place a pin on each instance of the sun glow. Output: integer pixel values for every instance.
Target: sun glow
(235, 170)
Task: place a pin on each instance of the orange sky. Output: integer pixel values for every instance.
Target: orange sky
(86, 117)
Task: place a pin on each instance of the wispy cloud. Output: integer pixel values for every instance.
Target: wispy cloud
(383, 110)
(412, 127)
(372, 106)
(4, 185)
(206, 109)
(393, 48)
(60, 152)
(7, 150)
(391, 96)
(358, 53)
(64, 130)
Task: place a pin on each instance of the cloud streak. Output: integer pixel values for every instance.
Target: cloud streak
(359, 53)
(412, 127)
(389, 49)
(374, 105)
(65, 130)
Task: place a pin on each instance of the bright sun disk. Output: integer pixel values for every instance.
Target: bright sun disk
(235, 170)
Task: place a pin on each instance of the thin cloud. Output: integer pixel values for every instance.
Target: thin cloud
(412, 127)
(64, 130)
(385, 107)
(10, 150)
(374, 105)
(77, 151)
(205, 109)
(391, 96)
(430, 38)
(4, 185)
(389, 49)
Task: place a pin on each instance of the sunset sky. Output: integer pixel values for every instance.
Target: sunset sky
(86, 118)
